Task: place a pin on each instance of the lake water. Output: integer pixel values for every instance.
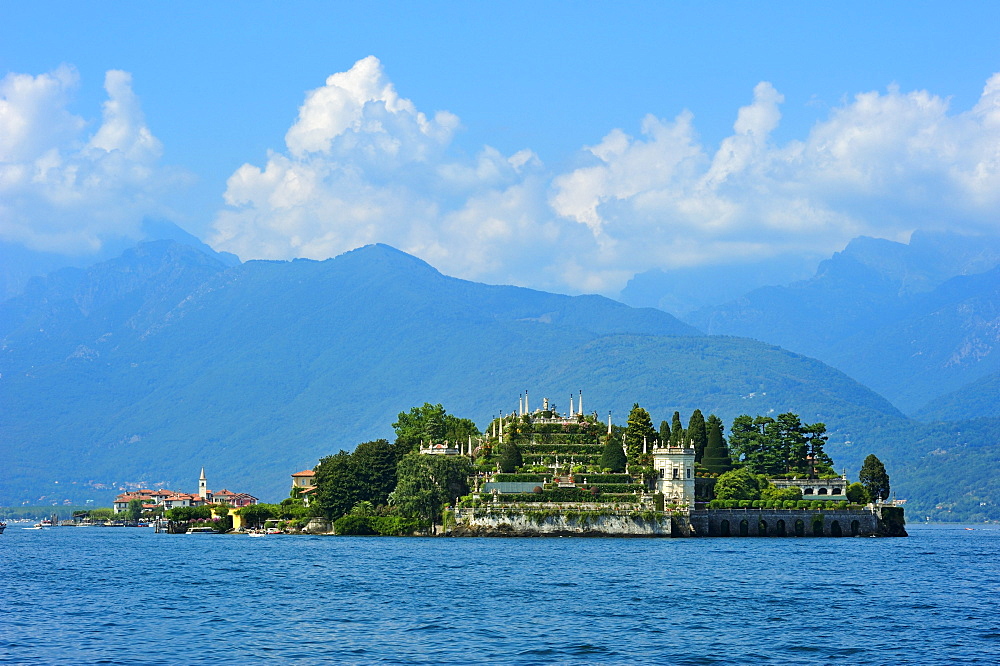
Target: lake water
(129, 596)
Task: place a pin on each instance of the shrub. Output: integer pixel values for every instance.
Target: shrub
(395, 525)
(744, 504)
(353, 526)
(537, 490)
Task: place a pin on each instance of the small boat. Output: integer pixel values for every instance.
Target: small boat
(257, 534)
(201, 530)
(3, 526)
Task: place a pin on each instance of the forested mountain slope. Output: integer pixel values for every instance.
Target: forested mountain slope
(913, 322)
(145, 368)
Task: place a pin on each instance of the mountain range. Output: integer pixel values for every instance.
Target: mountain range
(142, 369)
(914, 322)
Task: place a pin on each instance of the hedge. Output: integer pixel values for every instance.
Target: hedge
(618, 487)
(521, 478)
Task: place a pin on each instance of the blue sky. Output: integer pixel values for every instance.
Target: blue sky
(560, 145)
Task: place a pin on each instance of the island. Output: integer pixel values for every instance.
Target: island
(543, 471)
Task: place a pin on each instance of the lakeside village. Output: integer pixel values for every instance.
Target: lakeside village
(545, 472)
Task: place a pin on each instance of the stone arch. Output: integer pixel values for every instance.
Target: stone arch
(779, 528)
(817, 528)
(835, 529)
(855, 528)
(762, 528)
(744, 528)
(724, 528)
(807, 491)
(821, 491)
(800, 527)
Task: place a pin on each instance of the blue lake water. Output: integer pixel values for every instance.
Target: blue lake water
(129, 596)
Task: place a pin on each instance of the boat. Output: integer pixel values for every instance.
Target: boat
(201, 530)
(257, 534)
(3, 526)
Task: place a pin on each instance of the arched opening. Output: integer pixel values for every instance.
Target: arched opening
(724, 528)
(807, 491)
(800, 528)
(744, 527)
(779, 528)
(821, 491)
(855, 528)
(762, 528)
(818, 528)
(835, 529)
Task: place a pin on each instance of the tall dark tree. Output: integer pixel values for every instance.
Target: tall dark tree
(337, 487)
(815, 436)
(716, 459)
(367, 474)
(874, 478)
(677, 435)
(664, 433)
(638, 431)
(510, 457)
(612, 456)
(375, 467)
(697, 434)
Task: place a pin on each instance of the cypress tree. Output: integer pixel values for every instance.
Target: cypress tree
(639, 429)
(696, 433)
(677, 434)
(664, 433)
(613, 457)
(874, 478)
(717, 459)
(510, 458)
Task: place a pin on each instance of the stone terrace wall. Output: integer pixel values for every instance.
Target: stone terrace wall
(513, 522)
(789, 522)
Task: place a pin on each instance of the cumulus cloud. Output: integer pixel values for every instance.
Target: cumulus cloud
(61, 190)
(362, 164)
(882, 164)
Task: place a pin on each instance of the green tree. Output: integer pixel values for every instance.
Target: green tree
(698, 434)
(338, 487)
(664, 433)
(430, 423)
(677, 435)
(254, 515)
(612, 456)
(367, 474)
(639, 430)
(426, 484)
(737, 484)
(510, 457)
(716, 459)
(856, 494)
(134, 510)
(874, 478)
(374, 464)
(180, 514)
(815, 435)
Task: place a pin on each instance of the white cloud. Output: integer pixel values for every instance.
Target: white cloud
(882, 164)
(60, 190)
(361, 164)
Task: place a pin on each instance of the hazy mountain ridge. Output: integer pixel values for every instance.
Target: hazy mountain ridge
(259, 369)
(911, 321)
